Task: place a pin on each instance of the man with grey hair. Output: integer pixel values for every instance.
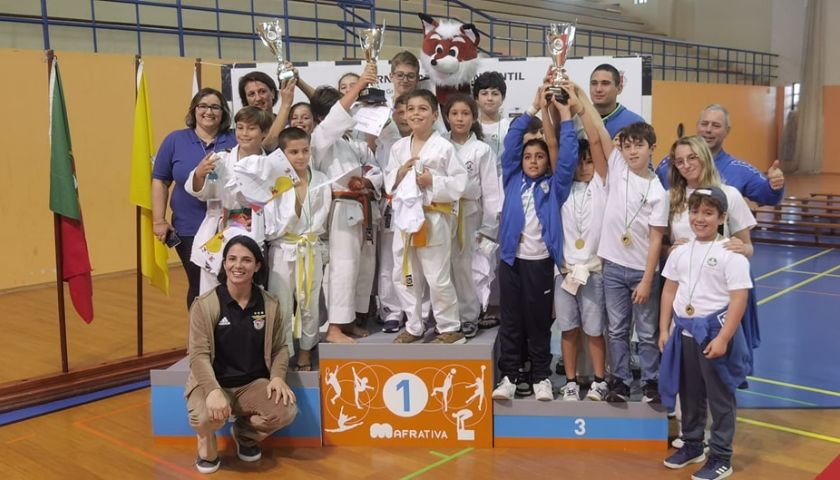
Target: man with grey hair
(713, 126)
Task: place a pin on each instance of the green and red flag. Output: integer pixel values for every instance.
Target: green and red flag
(64, 201)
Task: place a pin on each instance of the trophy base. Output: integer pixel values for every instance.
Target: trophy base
(559, 94)
(372, 96)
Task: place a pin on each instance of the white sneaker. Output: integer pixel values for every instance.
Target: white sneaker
(543, 391)
(570, 392)
(598, 391)
(504, 390)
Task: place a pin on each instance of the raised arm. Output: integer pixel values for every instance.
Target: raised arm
(287, 97)
(368, 77)
(605, 140)
(582, 107)
(568, 150)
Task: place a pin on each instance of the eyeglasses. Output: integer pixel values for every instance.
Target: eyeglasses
(405, 76)
(682, 162)
(203, 107)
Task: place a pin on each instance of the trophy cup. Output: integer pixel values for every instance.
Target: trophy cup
(371, 40)
(559, 39)
(271, 35)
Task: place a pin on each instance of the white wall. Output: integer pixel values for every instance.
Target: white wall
(776, 26)
(788, 38)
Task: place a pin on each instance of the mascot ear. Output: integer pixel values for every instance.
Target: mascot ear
(469, 31)
(429, 23)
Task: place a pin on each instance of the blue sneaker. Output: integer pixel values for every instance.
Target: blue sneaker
(688, 453)
(715, 468)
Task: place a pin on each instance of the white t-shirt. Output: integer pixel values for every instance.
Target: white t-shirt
(739, 217)
(634, 204)
(531, 244)
(706, 272)
(582, 215)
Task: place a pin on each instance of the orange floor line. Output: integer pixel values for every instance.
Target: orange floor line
(113, 412)
(18, 439)
(133, 449)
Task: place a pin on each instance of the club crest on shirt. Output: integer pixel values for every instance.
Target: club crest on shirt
(544, 187)
(259, 320)
(712, 261)
(469, 165)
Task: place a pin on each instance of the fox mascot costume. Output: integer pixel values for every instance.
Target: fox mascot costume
(449, 55)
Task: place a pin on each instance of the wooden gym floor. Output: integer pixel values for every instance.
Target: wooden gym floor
(111, 438)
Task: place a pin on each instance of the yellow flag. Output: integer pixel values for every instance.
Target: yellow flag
(154, 255)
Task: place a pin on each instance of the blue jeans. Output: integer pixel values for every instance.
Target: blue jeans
(619, 283)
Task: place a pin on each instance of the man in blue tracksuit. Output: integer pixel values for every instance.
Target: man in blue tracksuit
(713, 126)
(605, 84)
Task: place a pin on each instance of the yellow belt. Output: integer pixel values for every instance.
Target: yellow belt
(419, 238)
(303, 272)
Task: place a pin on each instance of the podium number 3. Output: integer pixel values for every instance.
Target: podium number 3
(580, 425)
(405, 394)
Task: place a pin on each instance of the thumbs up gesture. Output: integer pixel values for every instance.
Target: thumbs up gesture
(775, 176)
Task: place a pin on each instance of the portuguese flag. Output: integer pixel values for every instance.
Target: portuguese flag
(64, 201)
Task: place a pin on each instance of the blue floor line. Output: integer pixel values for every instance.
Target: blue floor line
(54, 406)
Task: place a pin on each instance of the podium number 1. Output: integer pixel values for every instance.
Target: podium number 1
(405, 394)
(403, 385)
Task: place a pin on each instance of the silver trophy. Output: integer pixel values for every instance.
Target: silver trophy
(271, 34)
(372, 40)
(559, 38)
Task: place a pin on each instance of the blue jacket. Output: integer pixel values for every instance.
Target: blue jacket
(620, 118)
(550, 191)
(732, 368)
(736, 173)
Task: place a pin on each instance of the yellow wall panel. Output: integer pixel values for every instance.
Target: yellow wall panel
(28, 243)
(831, 127)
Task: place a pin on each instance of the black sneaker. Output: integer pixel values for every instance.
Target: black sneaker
(469, 329)
(524, 382)
(245, 453)
(619, 392)
(524, 388)
(559, 368)
(650, 392)
(391, 326)
(207, 466)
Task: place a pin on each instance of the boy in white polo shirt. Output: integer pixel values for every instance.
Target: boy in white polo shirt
(635, 219)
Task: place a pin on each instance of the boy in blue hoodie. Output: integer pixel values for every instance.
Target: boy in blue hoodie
(531, 242)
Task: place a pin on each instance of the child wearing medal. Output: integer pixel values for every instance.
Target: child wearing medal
(579, 289)
(635, 220)
(294, 223)
(706, 356)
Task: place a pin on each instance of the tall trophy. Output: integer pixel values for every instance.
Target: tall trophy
(271, 34)
(371, 40)
(559, 39)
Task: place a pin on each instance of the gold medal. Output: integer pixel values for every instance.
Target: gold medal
(580, 243)
(689, 309)
(625, 240)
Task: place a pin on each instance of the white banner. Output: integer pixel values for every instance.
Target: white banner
(522, 76)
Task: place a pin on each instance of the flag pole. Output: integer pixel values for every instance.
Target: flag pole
(198, 72)
(139, 241)
(59, 263)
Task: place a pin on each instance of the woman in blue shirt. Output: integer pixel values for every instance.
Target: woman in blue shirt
(208, 131)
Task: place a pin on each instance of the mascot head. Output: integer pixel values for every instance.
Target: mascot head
(450, 51)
